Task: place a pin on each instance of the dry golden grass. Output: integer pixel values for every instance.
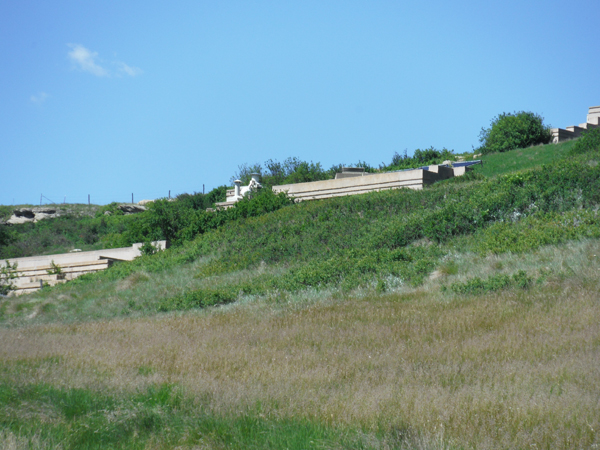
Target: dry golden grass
(515, 369)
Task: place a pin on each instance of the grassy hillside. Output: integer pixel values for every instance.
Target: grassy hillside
(89, 228)
(521, 159)
(461, 316)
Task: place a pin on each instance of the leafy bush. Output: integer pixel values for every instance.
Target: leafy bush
(509, 131)
(111, 208)
(198, 299)
(536, 230)
(61, 234)
(420, 158)
(8, 273)
(478, 286)
(6, 237)
(197, 200)
(5, 212)
(292, 170)
(588, 142)
(179, 222)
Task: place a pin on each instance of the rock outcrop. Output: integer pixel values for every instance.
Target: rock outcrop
(24, 215)
(132, 209)
(35, 214)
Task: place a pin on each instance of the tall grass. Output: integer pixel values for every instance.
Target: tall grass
(512, 369)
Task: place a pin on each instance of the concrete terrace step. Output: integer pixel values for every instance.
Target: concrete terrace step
(574, 131)
(34, 286)
(30, 280)
(33, 270)
(101, 264)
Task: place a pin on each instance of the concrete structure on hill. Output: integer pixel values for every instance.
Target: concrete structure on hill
(354, 180)
(574, 131)
(34, 272)
(238, 192)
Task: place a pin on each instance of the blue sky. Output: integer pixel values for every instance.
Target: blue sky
(110, 98)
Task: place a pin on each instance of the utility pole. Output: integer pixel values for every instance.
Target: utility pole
(132, 197)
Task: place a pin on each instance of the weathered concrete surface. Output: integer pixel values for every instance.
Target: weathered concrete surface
(349, 172)
(359, 182)
(574, 131)
(593, 115)
(34, 269)
(118, 254)
(444, 172)
(412, 179)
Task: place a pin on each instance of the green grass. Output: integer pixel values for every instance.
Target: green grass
(521, 159)
(158, 416)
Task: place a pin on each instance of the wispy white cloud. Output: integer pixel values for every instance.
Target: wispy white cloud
(39, 98)
(129, 70)
(88, 61)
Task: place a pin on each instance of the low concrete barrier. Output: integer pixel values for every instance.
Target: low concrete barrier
(352, 182)
(34, 272)
(574, 131)
(412, 179)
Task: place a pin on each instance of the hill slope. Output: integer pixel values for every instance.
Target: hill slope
(464, 315)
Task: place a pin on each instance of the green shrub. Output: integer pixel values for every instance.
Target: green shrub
(478, 286)
(8, 273)
(292, 170)
(6, 237)
(201, 201)
(419, 158)
(199, 298)
(588, 142)
(537, 230)
(509, 131)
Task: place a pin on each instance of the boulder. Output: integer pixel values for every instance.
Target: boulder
(45, 213)
(131, 208)
(24, 215)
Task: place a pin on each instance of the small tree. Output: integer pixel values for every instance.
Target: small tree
(508, 131)
(588, 142)
(7, 274)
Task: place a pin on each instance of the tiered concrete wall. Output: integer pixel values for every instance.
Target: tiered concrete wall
(351, 183)
(32, 272)
(413, 179)
(574, 131)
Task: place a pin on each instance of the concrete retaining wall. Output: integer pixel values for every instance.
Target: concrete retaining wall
(360, 183)
(32, 272)
(574, 131)
(413, 179)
